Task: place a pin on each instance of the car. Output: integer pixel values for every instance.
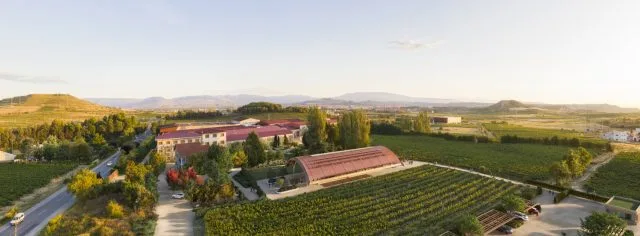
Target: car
(520, 215)
(109, 163)
(505, 229)
(17, 219)
(178, 196)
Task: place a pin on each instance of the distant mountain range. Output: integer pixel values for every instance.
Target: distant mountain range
(357, 99)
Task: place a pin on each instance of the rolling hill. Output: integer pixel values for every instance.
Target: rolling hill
(38, 108)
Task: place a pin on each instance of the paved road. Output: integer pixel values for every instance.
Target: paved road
(175, 216)
(37, 217)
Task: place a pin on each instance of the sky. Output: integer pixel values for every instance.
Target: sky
(568, 51)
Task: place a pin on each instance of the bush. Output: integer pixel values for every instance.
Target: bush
(114, 210)
(530, 193)
(10, 214)
(560, 196)
(515, 224)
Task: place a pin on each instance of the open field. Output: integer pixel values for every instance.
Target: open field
(419, 201)
(619, 177)
(20, 179)
(517, 161)
(528, 132)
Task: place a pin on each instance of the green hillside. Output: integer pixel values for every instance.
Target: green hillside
(38, 108)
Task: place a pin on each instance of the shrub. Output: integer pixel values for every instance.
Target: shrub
(11, 213)
(530, 193)
(561, 196)
(114, 210)
(515, 224)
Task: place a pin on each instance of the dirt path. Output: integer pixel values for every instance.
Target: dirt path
(486, 132)
(602, 159)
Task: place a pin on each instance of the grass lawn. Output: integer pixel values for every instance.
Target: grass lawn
(20, 179)
(248, 177)
(425, 200)
(527, 132)
(620, 177)
(517, 161)
(624, 204)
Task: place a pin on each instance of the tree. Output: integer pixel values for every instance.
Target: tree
(513, 203)
(82, 152)
(469, 225)
(254, 150)
(585, 156)
(316, 133)
(285, 141)
(82, 183)
(275, 143)
(333, 134)
(354, 130)
(577, 161)
(158, 161)
(239, 158)
(422, 123)
(136, 173)
(561, 172)
(98, 140)
(114, 210)
(601, 223)
(137, 195)
(222, 162)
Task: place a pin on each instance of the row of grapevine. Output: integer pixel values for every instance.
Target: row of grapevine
(425, 200)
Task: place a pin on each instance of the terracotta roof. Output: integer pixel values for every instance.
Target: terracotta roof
(264, 131)
(332, 164)
(178, 134)
(188, 149)
(280, 122)
(189, 133)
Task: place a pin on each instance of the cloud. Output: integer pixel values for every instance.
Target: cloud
(415, 44)
(31, 79)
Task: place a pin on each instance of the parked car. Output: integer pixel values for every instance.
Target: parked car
(520, 215)
(505, 229)
(109, 163)
(178, 196)
(17, 219)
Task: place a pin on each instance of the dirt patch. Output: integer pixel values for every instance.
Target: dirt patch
(27, 201)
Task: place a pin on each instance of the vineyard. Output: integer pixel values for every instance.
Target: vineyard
(424, 200)
(20, 179)
(527, 132)
(618, 177)
(516, 161)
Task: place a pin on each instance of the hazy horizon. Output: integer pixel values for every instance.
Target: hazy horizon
(568, 52)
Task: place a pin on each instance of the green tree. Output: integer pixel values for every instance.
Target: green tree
(422, 123)
(114, 210)
(354, 130)
(82, 183)
(513, 203)
(333, 134)
(285, 141)
(158, 161)
(136, 173)
(585, 156)
(575, 162)
(316, 134)
(82, 152)
(469, 226)
(601, 223)
(223, 162)
(239, 159)
(275, 143)
(561, 172)
(137, 195)
(98, 140)
(254, 149)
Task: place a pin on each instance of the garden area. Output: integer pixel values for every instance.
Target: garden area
(516, 161)
(418, 201)
(618, 177)
(20, 179)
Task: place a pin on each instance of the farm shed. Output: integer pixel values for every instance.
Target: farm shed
(327, 165)
(6, 157)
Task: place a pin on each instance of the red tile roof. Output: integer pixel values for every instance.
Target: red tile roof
(279, 122)
(264, 131)
(332, 164)
(188, 149)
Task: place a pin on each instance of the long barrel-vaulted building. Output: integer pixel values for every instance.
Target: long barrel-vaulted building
(327, 165)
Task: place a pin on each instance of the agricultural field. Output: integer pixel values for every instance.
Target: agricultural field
(527, 132)
(618, 177)
(425, 200)
(516, 161)
(20, 179)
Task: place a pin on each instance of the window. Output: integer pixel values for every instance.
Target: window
(193, 140)
(175, 142)
(206, 136)
(222, 134)
(222, 142)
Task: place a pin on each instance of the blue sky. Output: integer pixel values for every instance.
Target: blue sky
(542, 51)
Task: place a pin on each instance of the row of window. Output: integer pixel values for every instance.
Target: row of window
(219, 135)
(178, 141)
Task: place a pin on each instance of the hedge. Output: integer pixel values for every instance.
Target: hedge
(569, 191)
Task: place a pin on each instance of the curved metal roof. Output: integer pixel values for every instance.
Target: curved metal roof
(332, 164)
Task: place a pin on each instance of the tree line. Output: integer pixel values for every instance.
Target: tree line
(193, 115)
(264, 107)
(351, 131)
(555, 140)
(113, 129)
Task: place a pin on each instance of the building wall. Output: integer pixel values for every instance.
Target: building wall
(6, 157)
(167, 146)
(214, 138)
(454, 120)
